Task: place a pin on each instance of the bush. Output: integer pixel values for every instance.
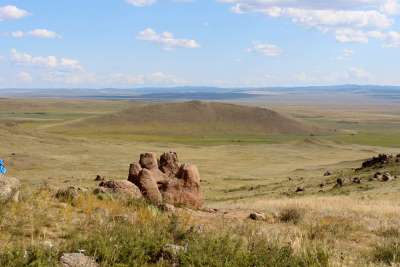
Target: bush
(291, 215)
(32, 256)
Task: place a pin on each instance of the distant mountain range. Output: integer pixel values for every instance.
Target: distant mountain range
(204, 93)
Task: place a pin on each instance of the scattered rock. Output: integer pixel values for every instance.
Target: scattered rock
(99, 178)
(321, 185)
(257, 216)
(327, 173)
(77, 260)
(356, 180)
(377, 162)
(167, 207)
(386, 177)
(9, 189)
(300, 189)
(121, 187)
(378, 175)
(173, 250)
(339, 182)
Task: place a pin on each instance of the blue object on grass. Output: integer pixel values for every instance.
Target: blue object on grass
(3, 169)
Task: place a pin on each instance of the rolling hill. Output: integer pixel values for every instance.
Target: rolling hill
(194, 118)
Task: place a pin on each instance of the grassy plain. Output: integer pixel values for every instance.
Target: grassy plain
(356, 225)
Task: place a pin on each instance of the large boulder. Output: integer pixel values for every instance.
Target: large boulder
(185, 189)
(148, 161)
(123, 188)
(169, 164)
(149, 187)
(134, 172)
(9, 189)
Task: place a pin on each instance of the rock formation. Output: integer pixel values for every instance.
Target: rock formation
(165, 180)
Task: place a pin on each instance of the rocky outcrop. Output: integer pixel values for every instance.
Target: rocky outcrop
(165, 180)
(9, 189)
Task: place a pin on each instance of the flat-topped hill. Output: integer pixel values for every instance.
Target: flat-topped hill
(192, 118)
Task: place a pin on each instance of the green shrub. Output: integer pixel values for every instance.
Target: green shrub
(291, 215)
(35, 256)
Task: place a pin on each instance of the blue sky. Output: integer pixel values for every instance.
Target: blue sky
(228, 43)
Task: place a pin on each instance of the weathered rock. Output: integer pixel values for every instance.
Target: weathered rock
(166, 180)
(257, 216)
(184, 190)
(77, 260)
(9, 189)
(167, 207)
(148, 161)
(356, 180)
(300, 189)
(339, 182)
(99, 178)
(190, 175)
(169, 164)
(148, 186)
(378, 161)
(173, 250)
(327, 173)
(177, 194)
(121, 187)
(378, 175)
(134, 172)
(386, 177)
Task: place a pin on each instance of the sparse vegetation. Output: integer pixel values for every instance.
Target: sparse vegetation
(240, 174)
(291, 215)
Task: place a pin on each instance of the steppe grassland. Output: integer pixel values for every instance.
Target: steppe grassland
(237, 177)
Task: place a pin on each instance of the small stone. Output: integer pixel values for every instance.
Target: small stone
(386, 177)
(300, 189)
(327, 173)
(77, 260)
(257, 216)
(167, 207)
(174, 250)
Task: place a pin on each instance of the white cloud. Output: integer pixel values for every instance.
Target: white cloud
(12, 12)
(24, 77)
(346, 54)
(141, 3)
(45, 61)
(43, 33)
(38, 33)
(359, 74)
(391, 7)
(349, 20)
(166, 39)
(266, 49)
